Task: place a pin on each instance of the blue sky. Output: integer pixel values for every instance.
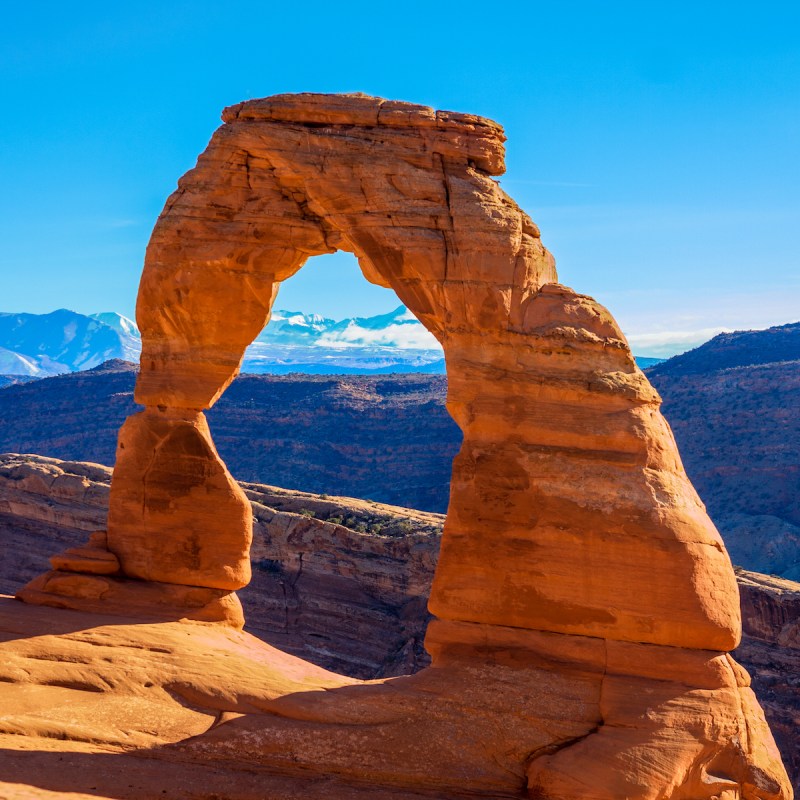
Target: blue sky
(656, 144)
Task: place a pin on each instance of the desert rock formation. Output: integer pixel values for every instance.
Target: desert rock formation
(771, 650)
(584, 605)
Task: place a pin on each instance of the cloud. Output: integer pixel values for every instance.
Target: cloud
(409, 336)
(663, 344)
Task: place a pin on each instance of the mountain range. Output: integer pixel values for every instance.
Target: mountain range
(43, 345)
(38, 345)
(734, 407)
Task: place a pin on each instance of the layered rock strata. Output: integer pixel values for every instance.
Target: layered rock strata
(339, 581)
(584, 603)
(771, 650)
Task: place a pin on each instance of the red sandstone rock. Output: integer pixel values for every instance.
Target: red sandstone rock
(132, 598)
(93, 558)
(771, 649)
(585, 601)
(177, 515)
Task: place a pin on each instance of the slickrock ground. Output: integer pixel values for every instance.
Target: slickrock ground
(351, 601)
(101, 707)
(124, 708)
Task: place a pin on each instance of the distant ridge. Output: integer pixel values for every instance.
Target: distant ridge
(738, 349)
(114, 365)
(384, 438)
(39, 345)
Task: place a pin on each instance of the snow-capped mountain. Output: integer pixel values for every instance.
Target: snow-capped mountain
(398, 329)
(39, 345)
(294, 327)
(122, 325)
(297, 342)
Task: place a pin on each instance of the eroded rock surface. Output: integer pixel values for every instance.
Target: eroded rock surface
(584, 603)
(342, 582)
(770, 649)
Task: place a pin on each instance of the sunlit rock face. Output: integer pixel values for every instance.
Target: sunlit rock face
(584, 603)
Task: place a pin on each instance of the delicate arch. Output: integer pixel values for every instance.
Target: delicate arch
(554, 412)
(577, 563)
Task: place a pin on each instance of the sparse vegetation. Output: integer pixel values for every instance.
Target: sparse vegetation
(269, 566)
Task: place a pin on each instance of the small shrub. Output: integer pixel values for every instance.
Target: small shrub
(270, 566)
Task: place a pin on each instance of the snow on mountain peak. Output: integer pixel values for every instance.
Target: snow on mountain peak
(65, 341)
(118, 322)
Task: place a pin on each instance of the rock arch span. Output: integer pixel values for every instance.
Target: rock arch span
(583, 599)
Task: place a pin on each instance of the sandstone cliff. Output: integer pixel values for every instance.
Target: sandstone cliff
(771, 650)
(338, 581)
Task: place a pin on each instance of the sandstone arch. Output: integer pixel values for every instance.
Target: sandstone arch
(574, 546)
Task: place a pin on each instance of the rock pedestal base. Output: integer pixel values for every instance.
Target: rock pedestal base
(89, 579)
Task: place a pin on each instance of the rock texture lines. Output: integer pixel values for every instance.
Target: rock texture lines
(584, 603)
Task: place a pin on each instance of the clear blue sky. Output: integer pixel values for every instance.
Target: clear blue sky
(656, 144)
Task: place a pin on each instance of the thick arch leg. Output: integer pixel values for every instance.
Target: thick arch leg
(177, 516)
